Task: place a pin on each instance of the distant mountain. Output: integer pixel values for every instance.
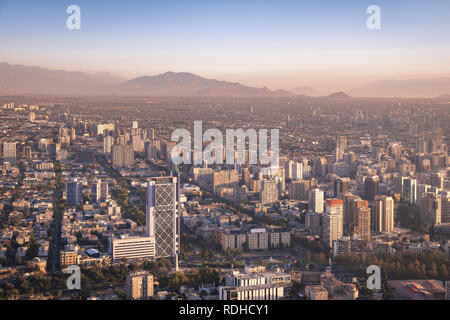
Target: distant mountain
(188, 84)
(19, 79)
(339, 95)
(444, 97)
(305, 91)
(413, 88)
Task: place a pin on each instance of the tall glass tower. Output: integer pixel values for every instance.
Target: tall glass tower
(163, 215)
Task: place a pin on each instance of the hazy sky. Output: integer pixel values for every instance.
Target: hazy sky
(324, 44)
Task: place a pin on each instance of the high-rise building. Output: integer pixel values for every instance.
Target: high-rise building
(99, 191)
(332, 228)
(297, 171)
(431, 208)
(341, 145)
(163, 215)
(445, 214)
(140, 285)
(122, 155)
(384, 214)
(335, 206)
(348, 199)
(312, 222)
(108, 142)
(371, 187)
(409, 193)
(300, 190)
(269, 192)
(288, 169)
(361, 228)
(224, 179)
(73, 192)
(9, 153)
(28, 153)
(341, 185)
(437, 179)
(316, 201)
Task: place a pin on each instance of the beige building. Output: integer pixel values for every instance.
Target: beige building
(133, 248)
(139, 286)
(68, 258)
(384, 214)
(316, 293)
(258, 239)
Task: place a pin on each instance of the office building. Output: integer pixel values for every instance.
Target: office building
(163, 215)
(133, 248)
(409, 193)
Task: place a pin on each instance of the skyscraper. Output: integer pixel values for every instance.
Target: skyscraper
(361, 227)
(384, 214)
(122, 155)
(73, 192)
(163, 215)
(108, 142)
(371, 187)
(316, 201)
(431, 208)
(9, 153)
(297, 171)
(341, 185)
(409, 193)
(331, 228)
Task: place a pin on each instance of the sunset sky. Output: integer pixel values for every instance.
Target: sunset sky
(280, 44)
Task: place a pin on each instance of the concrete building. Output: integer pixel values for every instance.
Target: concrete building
(73, 192)
(133, 248)
(258, 239)
(122, 155)
(316, 201)
(384, 214)
(140, 285)
(332, 227)
(9, 153)
(269, 192)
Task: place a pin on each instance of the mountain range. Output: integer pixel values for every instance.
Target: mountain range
(412, 88)
(19, 79)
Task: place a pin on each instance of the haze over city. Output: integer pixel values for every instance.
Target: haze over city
(324, 45)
